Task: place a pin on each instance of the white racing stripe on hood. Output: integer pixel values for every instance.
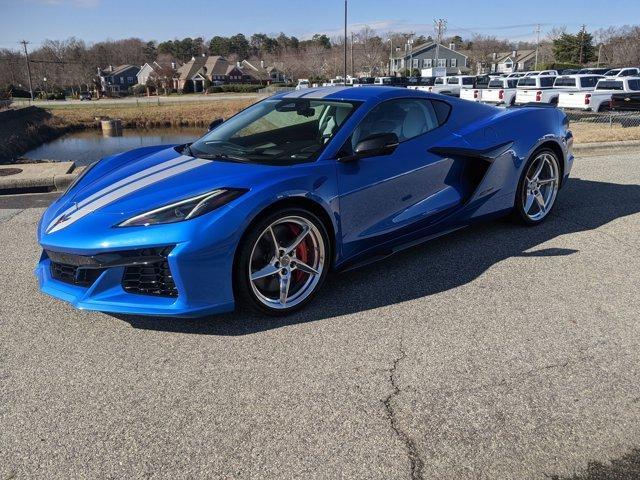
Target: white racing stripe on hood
(111, 195)
(120, 183)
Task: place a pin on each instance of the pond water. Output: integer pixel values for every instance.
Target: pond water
(88, 146)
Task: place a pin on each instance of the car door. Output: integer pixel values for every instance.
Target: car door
(384, 197)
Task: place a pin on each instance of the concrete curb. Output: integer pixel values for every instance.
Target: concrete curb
(605, 147)
(38, 177)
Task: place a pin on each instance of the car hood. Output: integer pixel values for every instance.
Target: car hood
(142, 180)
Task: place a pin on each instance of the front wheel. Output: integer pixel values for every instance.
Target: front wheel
(283, 261)
(538, 187)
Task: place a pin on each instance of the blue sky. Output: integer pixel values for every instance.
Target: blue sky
(94, 20)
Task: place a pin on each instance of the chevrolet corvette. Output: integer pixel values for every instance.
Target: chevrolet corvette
(258, 211)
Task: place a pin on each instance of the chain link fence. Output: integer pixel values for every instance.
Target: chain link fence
(612, 119)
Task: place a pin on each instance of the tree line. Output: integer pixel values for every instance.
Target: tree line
(73, 64)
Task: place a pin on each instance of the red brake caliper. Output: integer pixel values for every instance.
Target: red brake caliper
(302, 253)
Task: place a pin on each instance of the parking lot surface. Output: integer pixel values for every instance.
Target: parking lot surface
(498, 352)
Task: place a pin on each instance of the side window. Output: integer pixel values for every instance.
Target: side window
(634, 85)
(407, 118)
(547, 82)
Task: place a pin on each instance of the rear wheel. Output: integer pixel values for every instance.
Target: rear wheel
(538, 187)
(282, 263)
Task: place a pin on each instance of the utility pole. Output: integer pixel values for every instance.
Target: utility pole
(537, 31)
(440, 26)
(599, 53)
(26, 54)
(353, 73)
(345, 43)
(584, 27)
(390, 54)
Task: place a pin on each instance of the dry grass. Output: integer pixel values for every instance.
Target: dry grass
(589, 133)
(179, 114)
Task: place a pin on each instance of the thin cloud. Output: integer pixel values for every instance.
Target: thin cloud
(69, 3)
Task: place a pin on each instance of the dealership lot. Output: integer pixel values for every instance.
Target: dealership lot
(497, 352)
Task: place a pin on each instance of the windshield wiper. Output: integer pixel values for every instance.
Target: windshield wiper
(223, 156)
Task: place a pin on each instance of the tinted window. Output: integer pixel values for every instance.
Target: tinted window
(512, 83)
(439, 81)
(565, 82)
(589, 82)
(467, 81)
(407, 118)
(547, 81)
(453, 81)
(527, 82)
(610, 85)
(495, 84)
(634, 85)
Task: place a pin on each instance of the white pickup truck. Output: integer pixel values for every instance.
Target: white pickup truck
(530, 89)
(565, 83)
(501, 91)
(450, 85)
(599, 99)
(623, 72)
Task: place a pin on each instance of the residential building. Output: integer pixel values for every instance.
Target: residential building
(194, 75)
(261, 72)
(515, 61)
(427, 56)
(119, 79)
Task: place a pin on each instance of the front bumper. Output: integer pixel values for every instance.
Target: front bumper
(125, 285)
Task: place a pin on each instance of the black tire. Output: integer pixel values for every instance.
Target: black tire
(244, 294)
(519, 214)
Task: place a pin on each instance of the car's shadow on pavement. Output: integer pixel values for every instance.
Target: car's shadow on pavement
(433, 267)
(626, 467)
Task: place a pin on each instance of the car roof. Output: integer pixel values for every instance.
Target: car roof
(353, 94)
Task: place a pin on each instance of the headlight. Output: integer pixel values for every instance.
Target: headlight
(184, 209)
(80, 177)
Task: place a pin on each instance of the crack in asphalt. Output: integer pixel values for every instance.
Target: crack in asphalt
(12, 215)
(410, 446)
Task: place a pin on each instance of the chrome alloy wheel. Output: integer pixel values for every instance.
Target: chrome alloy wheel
(286, 262)
(540, 186)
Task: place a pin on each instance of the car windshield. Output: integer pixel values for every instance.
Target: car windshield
(276, 131)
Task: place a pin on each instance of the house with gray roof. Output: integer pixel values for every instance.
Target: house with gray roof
(118, 80)
(424, 57)
(194, 75)
(515, 61)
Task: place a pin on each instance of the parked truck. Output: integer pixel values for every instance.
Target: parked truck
(564, 83)
(530, 89)
(599, 99)
(501, 91)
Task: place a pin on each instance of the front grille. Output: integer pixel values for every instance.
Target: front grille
(150, 279)
(146, 271)
(74, 275)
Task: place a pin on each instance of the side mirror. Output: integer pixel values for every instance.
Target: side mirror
(374, 145)
(217, 122)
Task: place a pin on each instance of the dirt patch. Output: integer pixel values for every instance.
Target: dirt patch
(183, 114)
(591, 133)
(26, 128)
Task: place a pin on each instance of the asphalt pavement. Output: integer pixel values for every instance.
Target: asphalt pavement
(498, 352)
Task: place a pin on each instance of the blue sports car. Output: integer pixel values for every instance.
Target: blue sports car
(260, 209)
